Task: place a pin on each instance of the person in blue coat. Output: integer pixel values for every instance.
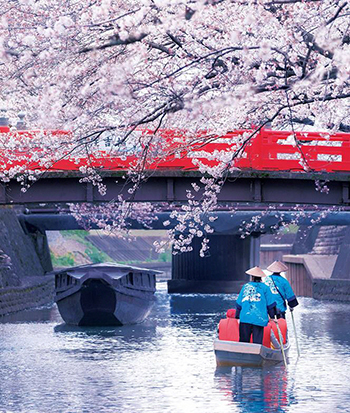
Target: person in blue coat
(280, 288)
(254, 305)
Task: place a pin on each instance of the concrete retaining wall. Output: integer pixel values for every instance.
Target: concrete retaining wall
(309, 276)
(273, 252)
(299, 277)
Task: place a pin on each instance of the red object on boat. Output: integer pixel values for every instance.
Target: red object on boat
(283, 327)
(231, 313)
(267, 336)
(229, 329)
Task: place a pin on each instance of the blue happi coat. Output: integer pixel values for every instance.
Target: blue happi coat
(254, 302)
(276, 280)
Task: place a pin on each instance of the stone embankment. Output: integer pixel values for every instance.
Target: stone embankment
(23, 284)
(34, 292)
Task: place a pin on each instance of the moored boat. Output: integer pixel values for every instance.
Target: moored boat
(229, 351)
(105, 294)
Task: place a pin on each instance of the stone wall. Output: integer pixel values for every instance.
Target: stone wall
(331, 289)
(22, 281)
(305, 239)
(7, 273)
(342, 266)
(329, 239)
(34, 292)
(18, 249)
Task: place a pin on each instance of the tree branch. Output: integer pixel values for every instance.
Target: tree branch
(337, 13)
(116, 41)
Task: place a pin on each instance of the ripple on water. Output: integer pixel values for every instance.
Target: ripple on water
(167, 363)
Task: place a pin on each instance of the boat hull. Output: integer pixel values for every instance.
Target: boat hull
(99, 304)
(232, 353)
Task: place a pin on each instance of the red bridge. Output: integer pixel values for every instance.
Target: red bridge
(267, 150)
(273, 167)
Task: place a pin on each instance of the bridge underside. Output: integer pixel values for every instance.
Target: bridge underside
(223, 270)
(240, 187)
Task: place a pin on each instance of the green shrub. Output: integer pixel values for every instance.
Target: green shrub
(66, 260)
(165, 256)
(96, 255)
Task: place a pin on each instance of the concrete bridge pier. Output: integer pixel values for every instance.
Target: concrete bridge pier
(222, 271)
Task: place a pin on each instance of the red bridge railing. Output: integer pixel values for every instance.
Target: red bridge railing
(268, 150)
(281, 150)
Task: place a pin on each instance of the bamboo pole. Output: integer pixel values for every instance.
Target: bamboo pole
(281, 343)
(295, 333)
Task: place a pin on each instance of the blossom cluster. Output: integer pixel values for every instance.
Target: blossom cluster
(101, 71)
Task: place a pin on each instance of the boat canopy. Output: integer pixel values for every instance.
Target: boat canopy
(112, 270)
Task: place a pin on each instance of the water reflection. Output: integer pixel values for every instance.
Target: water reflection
(201, 303)
(327, 320)
(255, 389)
(36, 315)
(128, 334)
(167, 364)
(199, 311)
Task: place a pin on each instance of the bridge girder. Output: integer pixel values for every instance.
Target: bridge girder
(226, 222)
(263, 188)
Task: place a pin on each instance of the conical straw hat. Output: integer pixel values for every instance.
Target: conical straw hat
(256, 272)
(277, 266)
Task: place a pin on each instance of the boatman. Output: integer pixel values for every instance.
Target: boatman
(280, 288)
(253, 306)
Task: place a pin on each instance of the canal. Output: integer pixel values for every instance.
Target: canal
(167, 363)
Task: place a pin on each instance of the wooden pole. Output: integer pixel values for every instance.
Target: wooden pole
(281, 343)
(295, 333)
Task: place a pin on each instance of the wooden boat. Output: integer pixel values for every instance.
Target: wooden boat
(105, 294)
(234, 353)
(229, 351)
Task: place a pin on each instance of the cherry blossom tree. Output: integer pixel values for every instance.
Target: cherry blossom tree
(106, 65)
(108, 68)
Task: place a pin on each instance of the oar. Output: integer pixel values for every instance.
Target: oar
(281, 343)
(295, 333)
